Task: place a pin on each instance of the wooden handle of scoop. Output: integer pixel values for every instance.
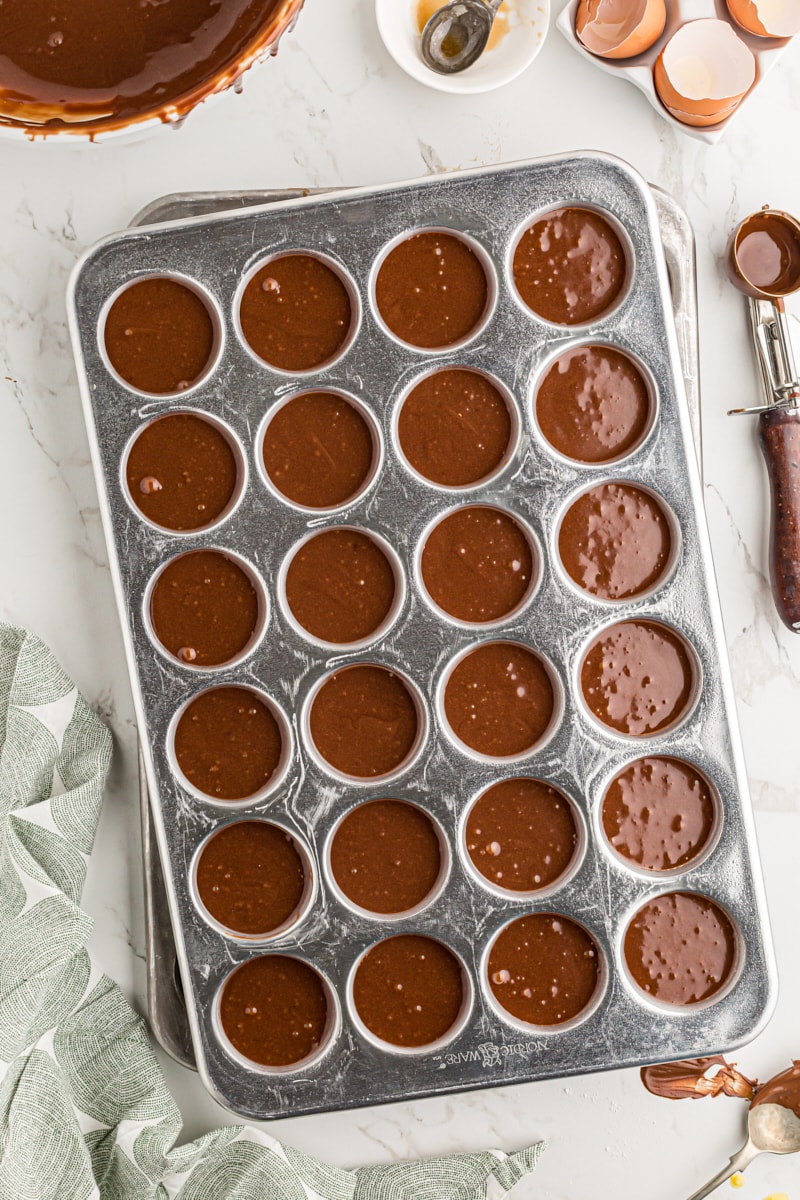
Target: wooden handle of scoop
(779, 435)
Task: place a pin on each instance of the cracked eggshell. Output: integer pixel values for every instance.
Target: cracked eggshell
(767, 18)
(703, 72)
(620, 28)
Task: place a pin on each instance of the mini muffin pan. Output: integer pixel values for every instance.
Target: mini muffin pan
(620, 1026)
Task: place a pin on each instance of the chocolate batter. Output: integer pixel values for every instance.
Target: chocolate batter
(454, 428)
(658, 813)
(615, 541)
(318, 450)
(204, 608)
(228, 744)
(274, 1010)
(783, 1089)
(364, 721)
(637, 677)
(695, 1078)
(409, 990)
(432, 290)
(544, 969)
(386, 856)
(569, 266)
(158, 334)
(768, 253)
(83, 61)
(296, 313)
(593, 405)
(499, 700)
(521, 834)
(680, 948)
(340, 586)
(477, 564)
(250, 877)
(181, 472)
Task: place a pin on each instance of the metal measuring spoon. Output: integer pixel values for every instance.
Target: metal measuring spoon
(771, 1129)
(455, 36)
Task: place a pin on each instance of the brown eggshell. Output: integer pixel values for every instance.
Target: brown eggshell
(700, 122)
(757, 18)
(730, 62)
(620, 28)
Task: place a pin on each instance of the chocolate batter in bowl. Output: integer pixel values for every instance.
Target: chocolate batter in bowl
(681, 949)
(457, 428)
(184, 471)
(478, 565)
(544, 971)
(409, 994)
(276, 1013)
(253, 880)
(499, 701)
(160, 335)
(82, 67)
(434, 289)
(342, 586)
(570, 266)
(230, 745)
(298, 311)
(365, 722)
(319, 450)
(388, 859)
(639, 678)
(206, 609)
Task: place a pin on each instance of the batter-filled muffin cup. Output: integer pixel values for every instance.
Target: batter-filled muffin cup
(276, 1013)
(206, 609)
(660, 814)
(593, 404)
(184, 471)
(617, 541)
(342, 586)
(230, 745)
(639, 678)
(388, 858)
(522, 837)
(434, 289)
(500, 701)
(253, 880)
(298, 312)
(544, 971)
(570, 266)
(410, 994)
(160, 335)
(457, 428)
(681, 949)
(319, 450)
(478, 564)
(365, 722)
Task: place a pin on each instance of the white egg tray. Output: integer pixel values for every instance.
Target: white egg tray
(639, 70)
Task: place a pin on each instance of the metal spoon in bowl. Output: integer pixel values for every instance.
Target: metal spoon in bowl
(456, 35)
(771, 1129)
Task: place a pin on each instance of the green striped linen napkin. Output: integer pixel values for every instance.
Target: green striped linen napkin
(84, 1109)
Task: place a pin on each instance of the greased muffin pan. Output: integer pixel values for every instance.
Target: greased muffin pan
(518, 708)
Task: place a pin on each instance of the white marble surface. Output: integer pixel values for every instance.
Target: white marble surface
(333, 109)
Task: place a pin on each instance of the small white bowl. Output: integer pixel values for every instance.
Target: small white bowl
(527, 27)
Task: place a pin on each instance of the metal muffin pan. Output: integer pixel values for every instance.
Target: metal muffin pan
(353, 228)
